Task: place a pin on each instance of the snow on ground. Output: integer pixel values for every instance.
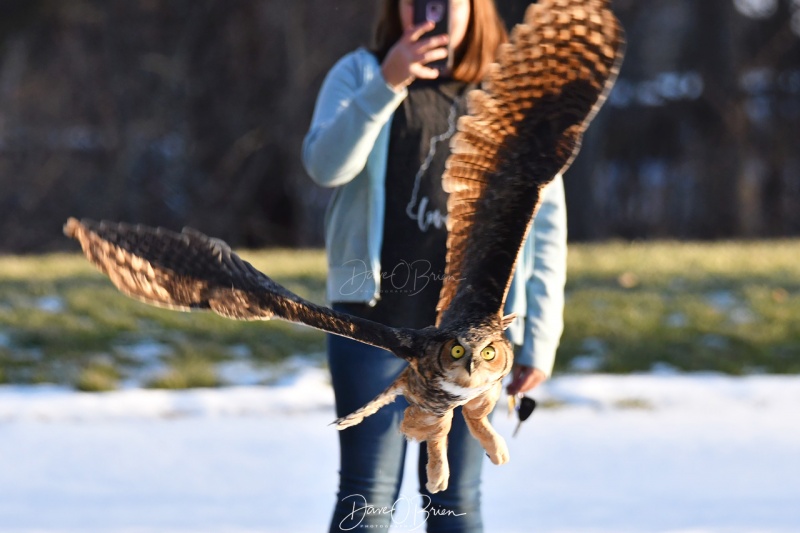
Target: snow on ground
(648, 453)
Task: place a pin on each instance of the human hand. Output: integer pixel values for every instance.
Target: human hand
(524, 378)
(406, 60)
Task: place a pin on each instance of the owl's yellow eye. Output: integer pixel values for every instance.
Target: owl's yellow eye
(457, 351)
(488, 353)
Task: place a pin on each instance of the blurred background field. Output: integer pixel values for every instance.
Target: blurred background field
(727, 307)
(186, 112)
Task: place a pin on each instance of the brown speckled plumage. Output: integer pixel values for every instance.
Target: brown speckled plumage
(524, 127)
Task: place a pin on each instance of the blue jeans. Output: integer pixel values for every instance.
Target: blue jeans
(372, 453)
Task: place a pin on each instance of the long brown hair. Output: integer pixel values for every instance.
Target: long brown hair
(485, 33)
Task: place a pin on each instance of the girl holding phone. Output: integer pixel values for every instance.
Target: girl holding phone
(380, 135)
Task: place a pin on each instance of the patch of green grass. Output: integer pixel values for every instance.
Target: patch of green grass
(57, 313)
(98, 377)
(725, 307)
(185, 373)
(730, 307)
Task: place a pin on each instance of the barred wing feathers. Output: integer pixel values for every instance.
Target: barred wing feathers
(189, 271)
(523, 128)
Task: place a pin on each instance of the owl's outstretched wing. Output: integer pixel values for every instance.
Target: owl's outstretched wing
(190, 271)
(523, 128)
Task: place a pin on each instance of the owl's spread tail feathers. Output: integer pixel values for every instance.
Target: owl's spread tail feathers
(373, 406)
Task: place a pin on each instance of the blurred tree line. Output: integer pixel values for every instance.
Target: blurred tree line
(192, 112)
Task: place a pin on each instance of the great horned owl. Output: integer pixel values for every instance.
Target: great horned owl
(524, 126)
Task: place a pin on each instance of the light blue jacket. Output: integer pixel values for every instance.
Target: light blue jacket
(347, 147)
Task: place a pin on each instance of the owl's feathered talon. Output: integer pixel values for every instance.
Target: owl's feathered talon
(425, 426)
(499, 455)
(439, 484)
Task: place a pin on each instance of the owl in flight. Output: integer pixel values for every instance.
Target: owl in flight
(524, 126)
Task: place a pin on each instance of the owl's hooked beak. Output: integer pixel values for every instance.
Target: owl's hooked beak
(470, 365)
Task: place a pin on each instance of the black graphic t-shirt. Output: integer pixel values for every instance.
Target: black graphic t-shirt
(414, 230)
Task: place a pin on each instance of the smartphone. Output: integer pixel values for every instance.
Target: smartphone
(437, 11)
